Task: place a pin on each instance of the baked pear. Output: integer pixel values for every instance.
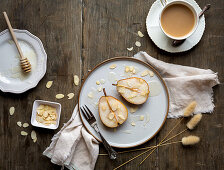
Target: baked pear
(112, 112)
(135, 90)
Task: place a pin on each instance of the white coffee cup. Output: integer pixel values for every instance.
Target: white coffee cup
(194, 13)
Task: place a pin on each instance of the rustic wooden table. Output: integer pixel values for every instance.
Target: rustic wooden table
(77, 35)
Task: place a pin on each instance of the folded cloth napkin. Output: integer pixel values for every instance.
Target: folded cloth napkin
(73, 147)
(185, 84)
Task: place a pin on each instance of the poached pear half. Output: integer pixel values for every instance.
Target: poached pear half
(112, 112)
(135, 90)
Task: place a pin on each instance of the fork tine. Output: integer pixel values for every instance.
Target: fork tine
(91, 114)
(84, 114)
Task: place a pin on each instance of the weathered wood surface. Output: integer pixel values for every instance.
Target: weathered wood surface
(77, 35)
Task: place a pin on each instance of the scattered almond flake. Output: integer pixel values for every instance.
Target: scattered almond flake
(98, 82)
(145, 73)
(49, 84)
(100, 89)
(151, 74)
(131, 68)
(90, 95)
(140, 34)
(122, 117)
(127, 69)
(147, 120)
(113, 66)
(130, 49)
(34, 140)
(102, 81)
(133, 109)
(127, 131)
(23, 133)
(141, 117)
(138, 44)
(25, 125)
(70, 95)
(19, 124)
(59, 96)
(76, 80)
(11, 110)
(33, 135)
(111, 116)
(133, 124)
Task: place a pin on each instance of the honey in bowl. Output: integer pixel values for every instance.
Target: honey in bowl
(177, 20)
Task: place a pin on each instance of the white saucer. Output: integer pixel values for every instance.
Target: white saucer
(161, 40)
(12, 78)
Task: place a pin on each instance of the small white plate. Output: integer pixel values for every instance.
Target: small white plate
(156, 107)
(161, 40)
(36, 104)
(12, 78)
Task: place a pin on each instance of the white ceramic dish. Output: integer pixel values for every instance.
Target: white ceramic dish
(164, 42)
(12, 78)
(155, 107)
(36, 103)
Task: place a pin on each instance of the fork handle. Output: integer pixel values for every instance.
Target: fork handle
(111, 152)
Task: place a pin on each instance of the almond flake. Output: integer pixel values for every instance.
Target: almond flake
(151, 74)
(19, 124)
(144, 73)
(98, 82)
(102, 81)
(70, 95)
(23, 133)
(111, 116)
(34, 140)
(141, 118)
(113, 66)
(49, 84)
(133, 109)
(11, 110)
(25, 125)
(122, 117)
(140, 34)
(100, 89)
(33, 134)
(76, 80)
(138, 44)
(130, 49)
(127, 69)
(133, 124)
(59, 96)
(90, 95)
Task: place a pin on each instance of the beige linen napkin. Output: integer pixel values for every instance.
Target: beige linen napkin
(73, 147)
(185, 84)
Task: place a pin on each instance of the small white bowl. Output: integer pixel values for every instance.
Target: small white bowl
(195, 17)
(36, 103)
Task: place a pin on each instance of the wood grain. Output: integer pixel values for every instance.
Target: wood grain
(79, 34)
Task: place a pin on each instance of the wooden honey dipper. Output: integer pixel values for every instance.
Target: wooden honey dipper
(24, 62)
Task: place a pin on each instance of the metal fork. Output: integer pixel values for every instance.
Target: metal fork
(92, 121)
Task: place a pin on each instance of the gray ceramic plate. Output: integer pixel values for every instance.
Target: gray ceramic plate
(155, 108)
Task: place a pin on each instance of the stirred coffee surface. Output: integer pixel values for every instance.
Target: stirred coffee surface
(177, 20)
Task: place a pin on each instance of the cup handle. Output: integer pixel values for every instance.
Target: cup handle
(163, 2)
